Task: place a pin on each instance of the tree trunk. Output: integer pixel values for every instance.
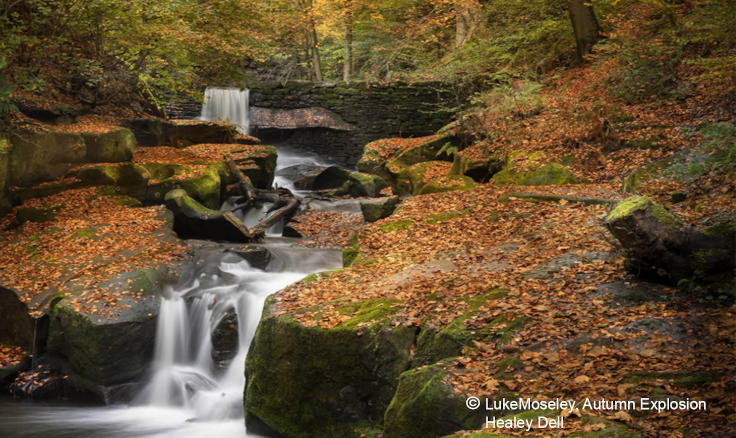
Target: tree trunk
(467, 21)
(315, 56)
(585, 26)
(348, 62)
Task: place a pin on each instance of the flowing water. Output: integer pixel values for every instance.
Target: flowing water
(188, 395)
(227, 104)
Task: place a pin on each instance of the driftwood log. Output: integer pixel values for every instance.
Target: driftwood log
(193, 219)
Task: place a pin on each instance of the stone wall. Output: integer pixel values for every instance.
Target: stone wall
(373, 112)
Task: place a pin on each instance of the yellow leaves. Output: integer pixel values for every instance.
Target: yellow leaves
(622, 416)
(581, 380)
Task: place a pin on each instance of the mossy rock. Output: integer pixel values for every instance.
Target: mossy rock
(44, 213)
(110, 147)
(410, 179)
(375, 209)
(127, 179)
(448, 184)
(106, 351)
(425, 406)
(550, 174)
(363, 185)
(351, 254)
(449, 342)
(632, 182)
(325, 382)
(641, 203)
(43, 156)
(443, 217)
(204, 188)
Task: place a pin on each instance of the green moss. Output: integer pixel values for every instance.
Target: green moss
(448, 184)
(425, 407)
(366, 312)
(442, 217)
(546, 175)
(506, 363)
(632, 182)
(44, 213)
(638, 203)
(84, 233)
(312, 278)
(401, 225)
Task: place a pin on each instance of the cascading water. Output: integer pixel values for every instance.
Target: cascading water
(227, 104)
(189, 394)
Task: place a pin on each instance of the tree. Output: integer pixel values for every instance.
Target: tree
(585, 26)
(348, 61)
(467, 20)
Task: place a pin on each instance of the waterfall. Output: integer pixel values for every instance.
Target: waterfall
(186, 375)
(227, 104)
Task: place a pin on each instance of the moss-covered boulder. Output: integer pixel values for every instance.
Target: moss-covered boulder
(448, 184)
(127, 179)
(43, 156)
(375, 209)
(361, 185)
(550, 174)
(410, 180)
(110, 147)
(204, 188)
(325, 382)
(426, 406)
(102, 348)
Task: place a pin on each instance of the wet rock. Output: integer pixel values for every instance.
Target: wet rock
(225, 339)
(375, 209)
(109, 147)
(257, 257)
(194, 220)
(361, 185)
(310, 177)
(8, 373)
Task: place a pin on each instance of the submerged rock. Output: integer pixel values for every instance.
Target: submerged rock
(225, 339)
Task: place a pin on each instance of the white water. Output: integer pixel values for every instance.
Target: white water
(188, 395)
(227, 104)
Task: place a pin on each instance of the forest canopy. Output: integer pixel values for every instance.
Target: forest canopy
(97, 50)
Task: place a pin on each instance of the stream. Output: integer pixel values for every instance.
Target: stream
(188, 394)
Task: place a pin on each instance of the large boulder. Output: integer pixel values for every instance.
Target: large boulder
(103, 348)
(362, 185)
(43, 156)
(259, 166)
(375, 209)
(448, 184)
(325, 382)
(109, 147)
(205, 188)
(310, 177)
